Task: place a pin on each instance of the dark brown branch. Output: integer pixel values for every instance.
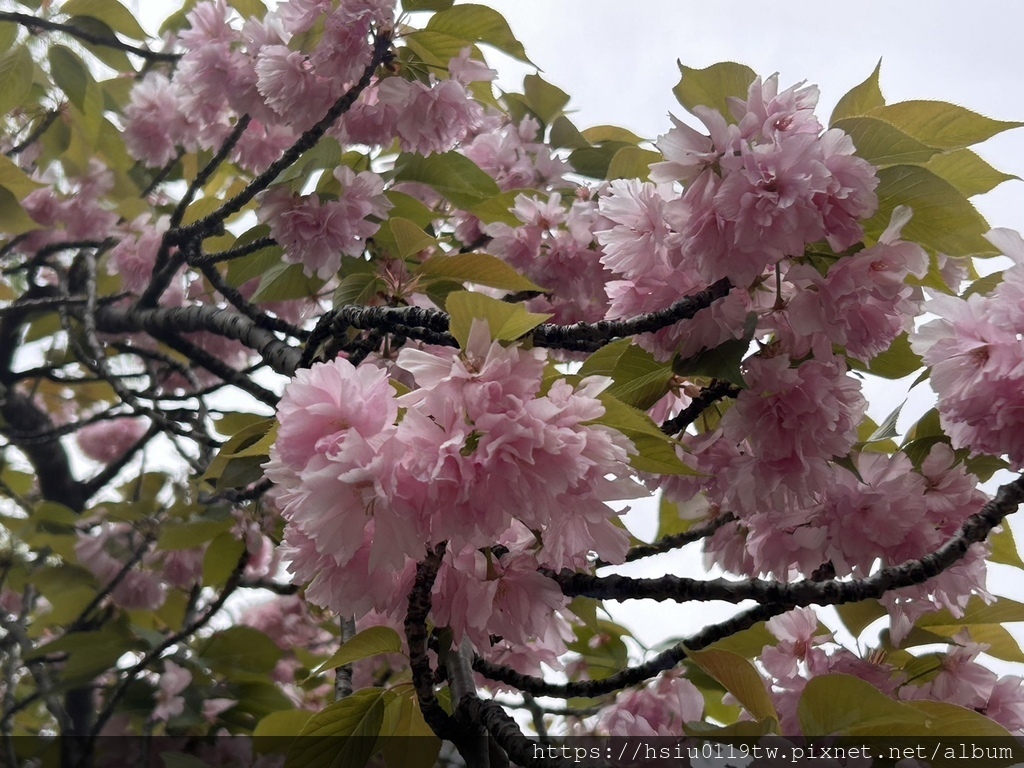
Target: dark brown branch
(232, 253)
(708, 397)
(432, 325)
(631, 675)
(809, 591)
(676, 540)
(36, 134)
(161, 321)
(440, 722)
(33, 24)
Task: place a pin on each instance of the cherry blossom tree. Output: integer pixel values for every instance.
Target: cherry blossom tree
(324, 366)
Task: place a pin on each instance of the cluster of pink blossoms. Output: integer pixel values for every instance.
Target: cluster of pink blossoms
(803, 652)
(974, 353)
(510, 474)
(316, 234)
(758, 191)
(227, 72)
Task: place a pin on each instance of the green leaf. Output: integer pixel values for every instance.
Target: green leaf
(427, 5)
(412, 743)
(478, 24)
(72, 77)
(249, 9)
(1004, 548)
(599, 134)
(358, 718)
(712, 86)
(545, 100)
(639, 379)
(110, 12)
(408, 207)
(748, 643)
(240, 649)
(13, 219)
(191, 534)
(967, 172)
(370, 642)
(846, 705)
(283, 282)
(114, 58)
(883, 144)
(944, 219)
(897, 361)
(722, 362)
(860, 99)
(246, 438)
(656, 451)
(222, 555)
(409, 237)
(435, 49)
(942, 125)
(740, 678)
(945, 719)
(15, 79)
(595, 161)
(15, 179)
(453, 175)
(632, 163)
(499, 208)
(507, 322)
(8, 35)
(479, 268)
(357, 289)
(275, 732)
(984, 622)
(857, 617)
(565, 134)
(887, 429)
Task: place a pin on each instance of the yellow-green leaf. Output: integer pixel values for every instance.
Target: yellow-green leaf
(15, 179)
(499, 207)
(846, 705)
(370, 642)
(860, 99)
(411, 744)
(545, 100)
(857, 617)
(1004, 548)
(632, 163)
(507, 322)
(942, 125)
(110, 12)
(945, 719)
(453, 175)
(944, 219)
(478, 24)
(220, 559)
(409, 237)
(343, 734)
(15, 79)
(479, 268)
(967, 172)
(883, 144)
(13, 219)
(712, 86)
(740, 678)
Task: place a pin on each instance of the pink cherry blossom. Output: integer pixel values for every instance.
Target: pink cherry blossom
(110, 439)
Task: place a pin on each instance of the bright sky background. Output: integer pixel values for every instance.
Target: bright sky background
(618, 61)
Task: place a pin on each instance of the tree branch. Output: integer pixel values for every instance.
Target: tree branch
(33, 24)
(809, 591)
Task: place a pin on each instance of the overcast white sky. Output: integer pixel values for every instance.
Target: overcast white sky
(618, 61)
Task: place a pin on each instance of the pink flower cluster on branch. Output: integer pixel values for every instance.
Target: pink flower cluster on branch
(366, 491)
